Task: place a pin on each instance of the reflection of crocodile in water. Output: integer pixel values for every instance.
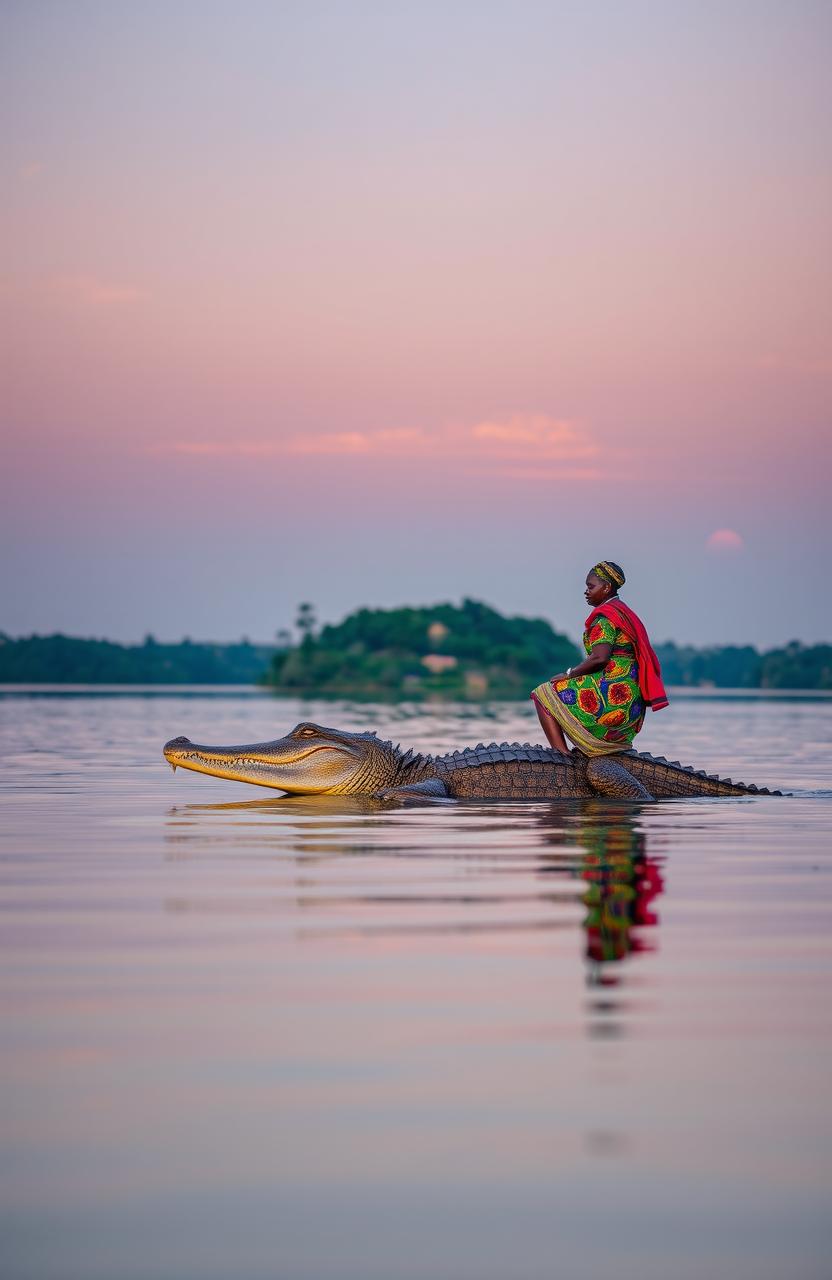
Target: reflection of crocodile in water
(312, 760)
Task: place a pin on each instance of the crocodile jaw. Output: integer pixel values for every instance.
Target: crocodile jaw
(309, 770)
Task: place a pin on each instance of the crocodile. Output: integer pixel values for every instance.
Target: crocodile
(313, 760)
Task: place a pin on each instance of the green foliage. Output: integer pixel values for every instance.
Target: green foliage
(306, 622)
(65, 660)
(725, 667)
(380, 652)
(796, 666)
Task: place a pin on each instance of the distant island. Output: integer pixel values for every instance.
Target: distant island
(62, 659)
(468, 651)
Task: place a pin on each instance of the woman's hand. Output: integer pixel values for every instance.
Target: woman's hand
(596, 661)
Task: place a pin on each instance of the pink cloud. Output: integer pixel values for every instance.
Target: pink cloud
(725, 541)
(88, 291)
(520, 447)
(535, 435)
(330, 442)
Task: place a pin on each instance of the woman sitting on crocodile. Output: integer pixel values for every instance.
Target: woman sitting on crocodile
(600, 703)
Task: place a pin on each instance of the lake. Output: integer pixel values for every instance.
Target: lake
(251, 1037)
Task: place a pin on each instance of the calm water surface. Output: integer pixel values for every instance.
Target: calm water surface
(251, 1037)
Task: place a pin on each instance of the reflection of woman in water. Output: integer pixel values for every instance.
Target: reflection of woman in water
(621, 885)
(600, 703)
(621, 880)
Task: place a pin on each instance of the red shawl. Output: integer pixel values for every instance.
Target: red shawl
(650, 673)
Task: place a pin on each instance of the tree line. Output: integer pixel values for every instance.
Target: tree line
(455, 651)
(60, 659)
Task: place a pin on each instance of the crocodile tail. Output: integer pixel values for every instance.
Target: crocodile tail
(665, 778)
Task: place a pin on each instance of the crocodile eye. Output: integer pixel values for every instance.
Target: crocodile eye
(307, 732)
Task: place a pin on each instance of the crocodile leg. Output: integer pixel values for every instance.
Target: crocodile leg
(431, 787)
(609, 778)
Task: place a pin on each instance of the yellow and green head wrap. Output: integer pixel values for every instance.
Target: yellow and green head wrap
(610, 572)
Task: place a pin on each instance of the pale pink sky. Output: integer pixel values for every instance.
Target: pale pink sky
(376, 304)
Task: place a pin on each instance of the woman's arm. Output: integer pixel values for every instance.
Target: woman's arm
(596, 661)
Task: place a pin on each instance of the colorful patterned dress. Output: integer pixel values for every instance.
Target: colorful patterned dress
(602, 712)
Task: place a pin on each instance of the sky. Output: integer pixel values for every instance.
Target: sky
(370, 303)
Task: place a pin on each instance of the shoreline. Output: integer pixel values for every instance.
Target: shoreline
(52, 689)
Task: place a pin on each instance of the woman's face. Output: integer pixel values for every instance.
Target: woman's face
(596, 591)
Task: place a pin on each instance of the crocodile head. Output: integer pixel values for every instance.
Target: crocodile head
(311, 760)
